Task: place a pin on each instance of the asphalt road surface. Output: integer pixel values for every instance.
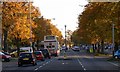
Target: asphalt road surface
(67, 61)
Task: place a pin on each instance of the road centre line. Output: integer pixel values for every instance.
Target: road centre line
(36, 68)
(43, 65)
(40, 66)
(81, 64)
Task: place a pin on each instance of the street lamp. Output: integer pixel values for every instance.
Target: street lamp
(30, 24)
(65, 38)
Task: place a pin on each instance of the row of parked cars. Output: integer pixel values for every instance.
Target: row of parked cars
(31, 58)
(26, 57)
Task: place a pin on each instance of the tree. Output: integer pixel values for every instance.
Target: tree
(95, 23)
(45, 27)
(16, 21)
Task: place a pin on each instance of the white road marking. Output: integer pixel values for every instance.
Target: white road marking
(43, 65)
(81, 64)
(40, 66)
(113, 64)
(63, 63)
(36, 69)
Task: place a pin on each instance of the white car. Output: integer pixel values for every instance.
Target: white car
(5, 57)
(76, 48)
(63, 48)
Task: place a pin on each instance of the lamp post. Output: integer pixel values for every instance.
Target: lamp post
(65, 38)
(30, 24)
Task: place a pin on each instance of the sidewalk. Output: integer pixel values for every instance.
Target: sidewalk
(99, 55)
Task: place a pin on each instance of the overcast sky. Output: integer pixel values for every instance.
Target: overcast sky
(65, 12)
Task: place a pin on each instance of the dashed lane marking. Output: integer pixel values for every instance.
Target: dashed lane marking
(81, 64)
(43, 65)
(36, 68)
(40, 66)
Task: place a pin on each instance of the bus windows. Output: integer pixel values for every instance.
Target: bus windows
(50, 37)
(48, 46)
(53, 46)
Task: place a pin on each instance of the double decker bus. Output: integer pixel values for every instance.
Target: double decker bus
(52, 44)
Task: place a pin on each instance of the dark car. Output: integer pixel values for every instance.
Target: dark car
(5, 57)
(117, 54)
(46, 53)
(39, 55)
(26, 58)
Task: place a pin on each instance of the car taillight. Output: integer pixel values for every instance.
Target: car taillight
(58, 51)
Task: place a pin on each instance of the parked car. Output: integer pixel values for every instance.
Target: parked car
(46, 53)
(6, 53)
(76, 48)
(117, 54)
(26, 58)
(14, 53)
(26, 49)
(5, 57)
(39, 55)
(63, 48)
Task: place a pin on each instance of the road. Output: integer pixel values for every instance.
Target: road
(68, 61)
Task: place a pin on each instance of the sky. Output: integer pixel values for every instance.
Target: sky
(61, 12)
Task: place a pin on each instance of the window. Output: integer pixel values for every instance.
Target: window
(53, 46)
(48, 46)
(50, 37)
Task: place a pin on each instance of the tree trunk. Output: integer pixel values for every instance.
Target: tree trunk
(18, 45)
(116, 46)
(93, 48)
(102, 44)
(37, 45)
(5, 39)
(98, 48)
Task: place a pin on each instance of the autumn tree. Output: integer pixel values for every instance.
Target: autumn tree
(16, 21)
(45, 27)
(95, 22)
